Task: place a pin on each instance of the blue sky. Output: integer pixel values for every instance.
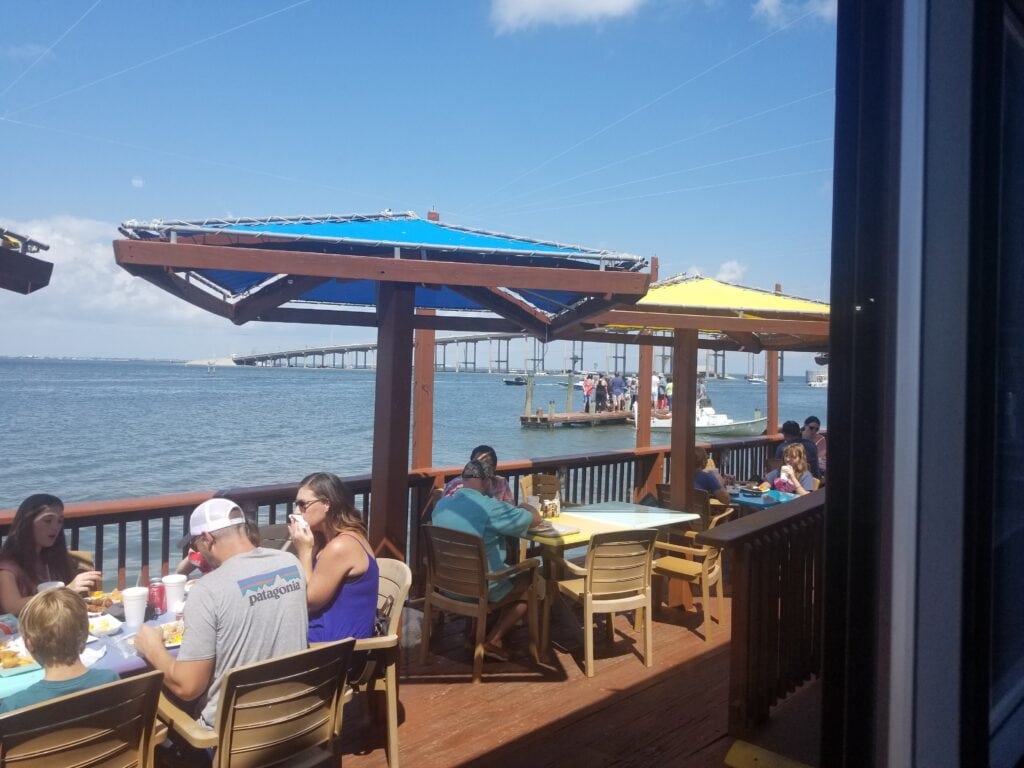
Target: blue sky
(698, 131)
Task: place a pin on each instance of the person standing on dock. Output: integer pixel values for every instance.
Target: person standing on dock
(588, 390)
(617, 388)
(601, 393)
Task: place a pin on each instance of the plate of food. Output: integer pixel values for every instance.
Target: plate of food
(172, 631)
(98, 602)
(15, 658)
(104, 625)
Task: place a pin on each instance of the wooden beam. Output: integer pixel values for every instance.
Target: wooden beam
(389, 501)
(178, 286)
(181, 256)
(22, 273)
(284, 289)
(573, 319)
(369, 320)
(513, 309)
(748, 342)
(638, 318)
(423, 396)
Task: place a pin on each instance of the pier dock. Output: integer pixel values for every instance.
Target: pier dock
(549, 420)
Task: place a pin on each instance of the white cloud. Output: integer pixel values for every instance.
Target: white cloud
(23, 52)
(138, 182)
(731, 272)
(513, 15)
(779, 12)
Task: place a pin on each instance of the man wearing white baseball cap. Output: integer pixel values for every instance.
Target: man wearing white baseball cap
(250, 608)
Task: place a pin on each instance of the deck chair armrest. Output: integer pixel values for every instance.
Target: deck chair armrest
(376, 643)
(681, 549)
(570, 566)
(524, 565)
(716, 519)
(184, 725)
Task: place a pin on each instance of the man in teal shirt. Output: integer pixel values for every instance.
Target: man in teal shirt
(470, 511)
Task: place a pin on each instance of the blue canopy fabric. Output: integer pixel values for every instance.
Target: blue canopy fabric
(379, 235)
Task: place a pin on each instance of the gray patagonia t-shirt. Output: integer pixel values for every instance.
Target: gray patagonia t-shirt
(251, 608)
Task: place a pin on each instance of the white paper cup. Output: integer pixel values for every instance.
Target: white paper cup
(174, 589)
(134, 599)
(49, 585)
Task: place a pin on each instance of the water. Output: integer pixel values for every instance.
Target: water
(93, 430)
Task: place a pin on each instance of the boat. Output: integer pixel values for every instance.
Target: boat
(709, 423)
(516, 381)
(818, 379)
(756, 380)
(818, 384)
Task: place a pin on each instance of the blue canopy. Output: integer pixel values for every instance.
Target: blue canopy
(380, 235)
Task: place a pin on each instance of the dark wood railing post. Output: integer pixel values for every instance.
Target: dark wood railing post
(777, 612)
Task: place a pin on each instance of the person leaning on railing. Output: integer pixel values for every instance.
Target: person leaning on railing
(35, 552)
(341, 572)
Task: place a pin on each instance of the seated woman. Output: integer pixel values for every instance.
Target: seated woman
(341, 571)
(35, 551)
(794, 476)
(706, 480)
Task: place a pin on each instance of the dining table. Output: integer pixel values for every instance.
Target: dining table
(579, 524)
(118, 654)
(759, 501)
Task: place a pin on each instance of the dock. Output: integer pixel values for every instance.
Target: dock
(550, 420)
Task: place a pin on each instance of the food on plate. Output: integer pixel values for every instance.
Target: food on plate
(764, 487)
(104, 625)
(99, 601)
(13, 657)
(173, 631)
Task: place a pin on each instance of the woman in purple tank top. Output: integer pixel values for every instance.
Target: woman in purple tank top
(341, 573)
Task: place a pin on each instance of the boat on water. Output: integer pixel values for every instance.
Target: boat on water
(756, 380)
(818, 384)
(710, 423)
(516, 381)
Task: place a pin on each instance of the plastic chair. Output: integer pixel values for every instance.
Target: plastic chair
(617, 577)
(375, 659)
(107, 725)
(276, 537)
(701, 565)
(278, 712)
(544, 486)
(457, 582)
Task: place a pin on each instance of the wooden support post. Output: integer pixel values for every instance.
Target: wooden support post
(684, 409)
(389, 503)
(423, 395)
(771, 370)
(643, 397)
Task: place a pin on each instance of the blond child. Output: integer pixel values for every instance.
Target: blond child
(55, 626)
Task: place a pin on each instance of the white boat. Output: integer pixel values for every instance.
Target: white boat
(711, 424)
(756, 380)
(818, 384)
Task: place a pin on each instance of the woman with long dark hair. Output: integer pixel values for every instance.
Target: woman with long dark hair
(341, 572)
(35, 552)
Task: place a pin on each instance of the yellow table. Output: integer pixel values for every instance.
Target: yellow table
(591, 519)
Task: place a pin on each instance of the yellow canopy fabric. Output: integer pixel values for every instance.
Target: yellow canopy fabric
(696, 293)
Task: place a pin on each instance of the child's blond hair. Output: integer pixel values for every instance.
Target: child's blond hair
(55, 623)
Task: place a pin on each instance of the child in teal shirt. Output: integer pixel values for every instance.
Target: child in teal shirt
(55, 626)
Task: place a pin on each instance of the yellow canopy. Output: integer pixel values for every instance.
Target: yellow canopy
(696, 293)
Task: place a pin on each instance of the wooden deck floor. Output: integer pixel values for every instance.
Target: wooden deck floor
(672, 714)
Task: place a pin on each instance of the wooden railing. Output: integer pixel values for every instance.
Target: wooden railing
(776, 560)
(134, 538)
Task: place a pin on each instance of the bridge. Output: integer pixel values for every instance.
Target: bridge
(364, 356)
